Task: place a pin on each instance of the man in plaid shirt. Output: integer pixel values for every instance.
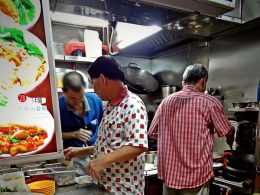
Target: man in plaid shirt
(184, 126)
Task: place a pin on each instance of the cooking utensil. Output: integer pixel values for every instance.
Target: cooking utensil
(168, 77)
(168, 90)
(217, 157)
(239, 172)
(139, 79)
(239, 161)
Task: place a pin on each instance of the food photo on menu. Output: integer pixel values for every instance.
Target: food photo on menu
(25, 128)
(17, 138)
(23, 59)
(22, 12)
(26, 125)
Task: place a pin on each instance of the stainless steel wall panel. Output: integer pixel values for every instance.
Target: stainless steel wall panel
(234, 65)
(250, 9)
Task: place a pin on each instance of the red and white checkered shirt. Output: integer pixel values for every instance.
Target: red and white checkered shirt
(124, 124)
(184, 127)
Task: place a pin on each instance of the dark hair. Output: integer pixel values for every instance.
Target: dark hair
(194, 73)
(107, 66)
(73, 81)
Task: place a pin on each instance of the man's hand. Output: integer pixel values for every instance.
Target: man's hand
(72, 152)
(121, 155)
(96, 166)
(83, 135)
(230, 136)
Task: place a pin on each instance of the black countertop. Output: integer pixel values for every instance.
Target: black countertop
(90, 189)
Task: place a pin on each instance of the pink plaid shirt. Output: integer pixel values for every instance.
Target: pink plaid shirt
(184, 127)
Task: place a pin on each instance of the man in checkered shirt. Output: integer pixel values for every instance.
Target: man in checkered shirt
(122, 137)
(184, 126)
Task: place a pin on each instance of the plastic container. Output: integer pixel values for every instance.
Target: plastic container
(64, 175)
(93, 45)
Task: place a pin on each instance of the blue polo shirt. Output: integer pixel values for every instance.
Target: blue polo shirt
(72, 121)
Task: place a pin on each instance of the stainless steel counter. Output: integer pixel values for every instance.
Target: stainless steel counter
(90, 189)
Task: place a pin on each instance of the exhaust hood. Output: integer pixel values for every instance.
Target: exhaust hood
(205, 7)
(182, 21)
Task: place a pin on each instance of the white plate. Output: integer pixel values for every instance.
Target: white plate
(41, 119)
(6, 67)
(9, 20)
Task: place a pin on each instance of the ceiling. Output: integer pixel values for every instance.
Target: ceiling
(179, 27)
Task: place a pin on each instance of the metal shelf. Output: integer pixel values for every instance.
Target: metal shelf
(78, 59)
(246, 109)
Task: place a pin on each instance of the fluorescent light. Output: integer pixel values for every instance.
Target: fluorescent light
(127, 34)
(74, 19)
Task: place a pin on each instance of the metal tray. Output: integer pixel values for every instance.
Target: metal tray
(38, 172)
(53, 165)
(64, 175)
(33, 167)
(9, 170)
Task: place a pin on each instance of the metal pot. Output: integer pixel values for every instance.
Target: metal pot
(60, 72)
(138, 80)
(217, 168)
(167, 90)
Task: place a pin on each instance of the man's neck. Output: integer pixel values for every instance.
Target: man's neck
(116, 90)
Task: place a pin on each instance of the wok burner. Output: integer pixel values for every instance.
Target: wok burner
(236, 177)
(224, 186)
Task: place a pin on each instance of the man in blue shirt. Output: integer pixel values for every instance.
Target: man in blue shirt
(80, 115)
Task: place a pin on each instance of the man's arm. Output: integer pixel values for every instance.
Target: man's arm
(153, 130)
(230, 136)
(72, 152)
(82, 134)
(120, 155)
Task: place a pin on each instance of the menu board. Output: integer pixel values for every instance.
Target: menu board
(29, 117)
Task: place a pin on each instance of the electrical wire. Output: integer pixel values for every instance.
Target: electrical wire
(105, 4)
(110, 43)
(55, 6)
(109, 39)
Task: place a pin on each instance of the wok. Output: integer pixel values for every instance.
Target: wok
(239, 160)
(139, 80)
(168, 77)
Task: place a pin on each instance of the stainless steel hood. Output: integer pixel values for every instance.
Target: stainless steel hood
(205, 7)
(182, 24)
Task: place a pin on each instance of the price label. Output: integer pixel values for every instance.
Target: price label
(38, 100)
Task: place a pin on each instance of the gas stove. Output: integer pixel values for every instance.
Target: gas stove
(221, 185)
